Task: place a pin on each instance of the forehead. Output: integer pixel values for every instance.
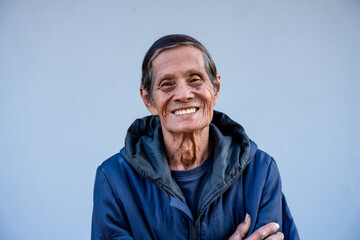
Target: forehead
(178, 59)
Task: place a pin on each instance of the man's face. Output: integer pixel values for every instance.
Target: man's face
(183, 95)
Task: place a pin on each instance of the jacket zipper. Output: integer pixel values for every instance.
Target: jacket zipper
(194, 232)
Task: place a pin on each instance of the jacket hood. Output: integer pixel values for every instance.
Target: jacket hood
(232, 151)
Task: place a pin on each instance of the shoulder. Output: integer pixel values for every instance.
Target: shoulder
(260, 159)
(115, 167)
(115, 162)
(262, 168)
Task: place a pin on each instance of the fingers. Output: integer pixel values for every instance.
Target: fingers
(242, 229)
(264, 231)
(260, 234)
(277, 236)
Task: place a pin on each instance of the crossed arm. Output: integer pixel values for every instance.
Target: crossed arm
(261, 233)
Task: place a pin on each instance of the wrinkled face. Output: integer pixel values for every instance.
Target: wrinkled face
(183, 95)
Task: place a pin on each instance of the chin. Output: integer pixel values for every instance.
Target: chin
(187, 129)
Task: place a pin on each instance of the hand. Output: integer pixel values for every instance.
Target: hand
(260, 233)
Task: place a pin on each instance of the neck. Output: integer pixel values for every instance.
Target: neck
(186, 150)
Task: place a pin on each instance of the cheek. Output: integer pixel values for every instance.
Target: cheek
(208, 98)
(161, 102)
(210, 95)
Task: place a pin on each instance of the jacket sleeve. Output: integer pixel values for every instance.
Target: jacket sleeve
(109, 221)
(273, 206)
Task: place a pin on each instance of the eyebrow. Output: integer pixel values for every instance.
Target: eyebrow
(164, 76)
(189, 72)
(196, 71)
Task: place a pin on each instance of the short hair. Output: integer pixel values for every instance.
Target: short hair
(173, 41)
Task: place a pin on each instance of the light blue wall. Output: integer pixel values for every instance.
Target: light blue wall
(69, 79)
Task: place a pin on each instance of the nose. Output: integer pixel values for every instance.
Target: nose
(183, 92)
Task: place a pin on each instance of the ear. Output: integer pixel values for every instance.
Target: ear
(146, 99)
(217, 83)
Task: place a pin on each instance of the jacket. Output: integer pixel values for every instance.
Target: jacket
(135, 196)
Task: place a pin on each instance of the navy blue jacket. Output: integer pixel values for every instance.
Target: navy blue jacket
(135, 196)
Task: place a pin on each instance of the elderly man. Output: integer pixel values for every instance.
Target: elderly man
(187, 171)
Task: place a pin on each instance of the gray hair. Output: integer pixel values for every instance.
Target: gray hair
(172, 41)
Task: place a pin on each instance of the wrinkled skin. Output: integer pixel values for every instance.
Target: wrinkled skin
(181, 83)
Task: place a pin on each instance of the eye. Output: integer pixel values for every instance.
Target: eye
(195, 80)
(166, 85)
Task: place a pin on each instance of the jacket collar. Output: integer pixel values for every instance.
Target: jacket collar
(232, 150)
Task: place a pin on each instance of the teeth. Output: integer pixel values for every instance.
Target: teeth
(185, 111)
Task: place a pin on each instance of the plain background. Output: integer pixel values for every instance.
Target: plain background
(70, 75)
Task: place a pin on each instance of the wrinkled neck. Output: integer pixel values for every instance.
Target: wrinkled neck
(186, 150)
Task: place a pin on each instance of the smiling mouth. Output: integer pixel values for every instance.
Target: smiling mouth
(185, 111)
